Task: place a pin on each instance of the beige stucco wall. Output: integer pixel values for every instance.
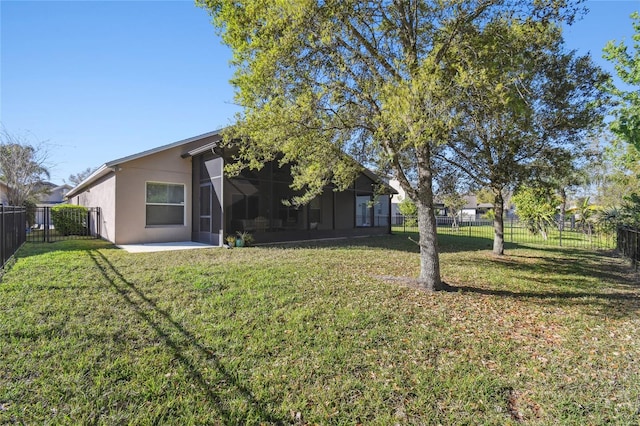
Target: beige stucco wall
(121, 195)
(101, 194)
(131, 178)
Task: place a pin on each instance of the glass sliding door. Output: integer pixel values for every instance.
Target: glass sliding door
(364, 211)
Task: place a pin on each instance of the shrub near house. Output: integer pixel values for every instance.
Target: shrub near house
(69, 219)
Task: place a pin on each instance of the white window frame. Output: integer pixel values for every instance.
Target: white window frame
(182, 204)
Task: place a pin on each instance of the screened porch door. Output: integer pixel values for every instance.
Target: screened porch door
(208, 200)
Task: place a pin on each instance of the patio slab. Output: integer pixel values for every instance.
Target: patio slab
(154, 247)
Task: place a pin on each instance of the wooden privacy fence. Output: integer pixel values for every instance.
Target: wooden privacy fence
(12, 231)
(628, 243)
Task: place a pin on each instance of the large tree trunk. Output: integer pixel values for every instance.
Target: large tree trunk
(429, 258)
(498, 223)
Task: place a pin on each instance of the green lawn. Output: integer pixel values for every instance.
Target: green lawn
(324, 334)
(518, 233)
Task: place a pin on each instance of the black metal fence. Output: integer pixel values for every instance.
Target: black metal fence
(12, 231)
(566, 234)
(628, 244)
(41, 226)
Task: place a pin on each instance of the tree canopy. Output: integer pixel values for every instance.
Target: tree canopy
(527, 114)
(22, 168)
(536, 206)
(379, 80)
(627, 64)
(75, 179)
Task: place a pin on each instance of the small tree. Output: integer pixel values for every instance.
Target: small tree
(536, 206)
(410, 212)
(454, 202)
(586, 215)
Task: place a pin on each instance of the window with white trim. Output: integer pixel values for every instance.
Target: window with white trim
(165, 203)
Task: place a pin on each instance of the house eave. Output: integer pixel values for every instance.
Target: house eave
(102, 171)
(163, 148)
(112, 166)
(204, 148)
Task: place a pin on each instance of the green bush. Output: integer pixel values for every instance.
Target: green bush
(69, 219)
(31, 212)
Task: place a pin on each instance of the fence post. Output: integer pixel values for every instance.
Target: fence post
(2, 234)
(636, 252)
(511, 229)
(560, 228)
(98, 223)
(45, 233)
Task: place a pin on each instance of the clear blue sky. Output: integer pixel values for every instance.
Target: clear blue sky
(99, 80)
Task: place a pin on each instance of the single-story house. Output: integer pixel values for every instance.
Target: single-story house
(178, 192)
(50, 194)
(472, 210)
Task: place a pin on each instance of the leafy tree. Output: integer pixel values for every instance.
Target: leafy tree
(484, 195)
(449, 193)
(614, 174)
(564, 180)
(536, 206)
(525, 114)
(631, 210)
(75, 179)
(627, 65)
(375, 79)
(454, 202)
(627, 214)
(22, 167)
(409, 211)
(586, 213)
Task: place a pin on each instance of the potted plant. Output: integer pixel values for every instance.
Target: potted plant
(244, 239)
(231, 241)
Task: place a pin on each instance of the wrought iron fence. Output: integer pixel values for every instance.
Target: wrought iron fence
(12, 231)
(72, 225)
(565, 234)
(628, 244)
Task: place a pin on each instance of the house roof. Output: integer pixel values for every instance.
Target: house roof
(111, 166)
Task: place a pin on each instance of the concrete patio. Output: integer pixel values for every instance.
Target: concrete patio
(154, 247)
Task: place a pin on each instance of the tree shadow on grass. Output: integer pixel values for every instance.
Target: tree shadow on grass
(577, 263)
(614, 305)
(187, 343)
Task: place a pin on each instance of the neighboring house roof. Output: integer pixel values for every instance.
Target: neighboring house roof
(47, 192)
(111, 166)
(50, 193)
(472, 203)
